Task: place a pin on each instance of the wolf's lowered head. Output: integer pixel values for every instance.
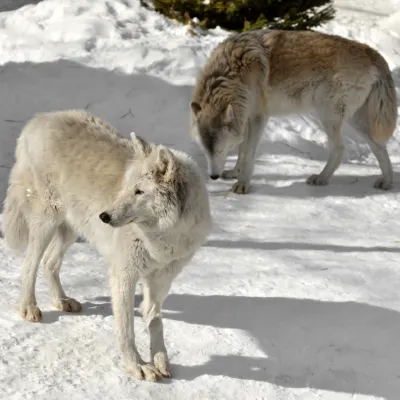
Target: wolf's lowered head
(148, 195)
(217, 132)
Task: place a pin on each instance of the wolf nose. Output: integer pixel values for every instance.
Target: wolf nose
(214, 177)
(105, 217)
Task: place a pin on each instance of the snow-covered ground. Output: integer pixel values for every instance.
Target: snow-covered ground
(296, 293)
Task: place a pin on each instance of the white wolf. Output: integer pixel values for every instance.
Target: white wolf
(144, 207)
(254, 75)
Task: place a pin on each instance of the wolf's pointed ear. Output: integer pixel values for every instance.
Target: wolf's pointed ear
(196, 108)
(139, 144)
(229, 115)
(166, 163)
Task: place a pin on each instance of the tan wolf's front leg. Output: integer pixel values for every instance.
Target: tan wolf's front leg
(234, 172)
(256, 128)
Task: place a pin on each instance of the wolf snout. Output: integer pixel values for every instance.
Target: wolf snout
(214, 176)
(105, 217)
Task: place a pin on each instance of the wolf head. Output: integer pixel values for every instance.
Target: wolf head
(218, 132)
(152, 194)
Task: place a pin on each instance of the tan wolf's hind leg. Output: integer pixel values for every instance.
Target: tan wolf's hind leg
(360, 123)
(332, 123)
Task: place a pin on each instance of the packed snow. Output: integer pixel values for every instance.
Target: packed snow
(296, 293)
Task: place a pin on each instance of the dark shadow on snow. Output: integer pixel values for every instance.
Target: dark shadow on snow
(271, 246)
(345, 347)
(340, 185)
(338, 346)
(99, 307)
(10, 5)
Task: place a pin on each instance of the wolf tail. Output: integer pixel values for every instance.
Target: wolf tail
(382, 105)
(15, 226)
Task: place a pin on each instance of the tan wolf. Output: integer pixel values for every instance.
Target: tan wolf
(254, 75)
(145, 208)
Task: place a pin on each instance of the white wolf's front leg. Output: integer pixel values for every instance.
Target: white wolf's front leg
(250, 144)
(155, 289)
(123, 284)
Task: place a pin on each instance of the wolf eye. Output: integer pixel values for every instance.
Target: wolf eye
(137, 192)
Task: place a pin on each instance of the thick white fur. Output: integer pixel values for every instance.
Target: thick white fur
(71, 167)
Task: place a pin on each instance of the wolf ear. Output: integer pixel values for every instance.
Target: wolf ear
(196, 108)
(139, 144)
(166, 163)
(229, 115)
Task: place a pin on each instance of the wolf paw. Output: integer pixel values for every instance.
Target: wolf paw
(383, 184)
(160, 360)
(68, 305)
(241, 188)
(316, 180)
(145, 372)
(230, 174)
(30, 313)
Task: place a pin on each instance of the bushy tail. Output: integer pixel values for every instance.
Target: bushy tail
(14, 224)
(382, 106)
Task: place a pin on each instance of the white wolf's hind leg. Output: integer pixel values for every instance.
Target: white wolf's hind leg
(155, 290)
(41, 230)
(63, 238)
(332, 128)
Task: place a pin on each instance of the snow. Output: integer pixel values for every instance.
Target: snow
(295, 295)
(392, 23)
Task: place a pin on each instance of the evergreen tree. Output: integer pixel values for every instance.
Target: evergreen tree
(242, 15)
